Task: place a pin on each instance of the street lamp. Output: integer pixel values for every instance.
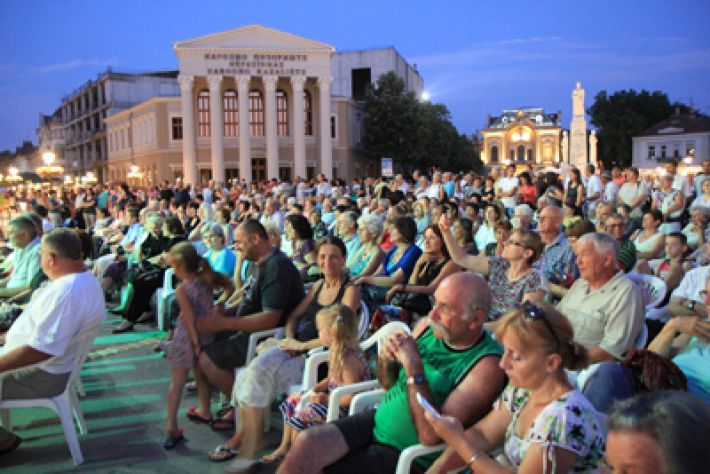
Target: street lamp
(14, 177)
(49, 170)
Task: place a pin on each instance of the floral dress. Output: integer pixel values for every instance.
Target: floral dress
(299, 412)
(570, 422)
(180, 354)
(509, 294)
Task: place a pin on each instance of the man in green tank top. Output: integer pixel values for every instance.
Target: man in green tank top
(449, 359)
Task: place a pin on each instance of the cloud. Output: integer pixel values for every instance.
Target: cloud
(75, 64)
(535, 39)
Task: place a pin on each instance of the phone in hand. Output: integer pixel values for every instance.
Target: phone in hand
(427, 406)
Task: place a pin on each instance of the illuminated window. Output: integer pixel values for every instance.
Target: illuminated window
(230, 104)
(203, 113)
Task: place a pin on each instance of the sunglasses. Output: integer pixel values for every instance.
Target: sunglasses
(535, 313)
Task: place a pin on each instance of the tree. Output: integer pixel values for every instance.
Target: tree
(624, 114)
(399, 126)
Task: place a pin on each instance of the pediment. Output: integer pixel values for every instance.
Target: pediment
(253, 37)
(671, 130)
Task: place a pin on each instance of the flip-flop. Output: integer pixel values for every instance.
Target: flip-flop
(222, 424)
(171, 442)
(12, 447)
(222, 453)
(193, 415)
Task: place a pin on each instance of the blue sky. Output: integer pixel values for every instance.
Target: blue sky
(477, 57)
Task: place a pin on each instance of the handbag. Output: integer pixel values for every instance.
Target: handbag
(652, 372)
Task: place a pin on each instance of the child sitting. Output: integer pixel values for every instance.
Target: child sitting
(337, 329)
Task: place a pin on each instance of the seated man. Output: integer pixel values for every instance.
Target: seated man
(449, 359)
(273, 288)
(671, 268)
(43, 334)
(605, 308)
(24, 237)
(626, 252)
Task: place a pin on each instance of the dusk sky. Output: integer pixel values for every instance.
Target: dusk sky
(476, 57)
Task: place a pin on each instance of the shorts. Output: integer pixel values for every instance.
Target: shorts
(365, 454)
(228, 352)
(32, 383)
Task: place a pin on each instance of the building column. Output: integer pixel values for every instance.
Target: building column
(189, 164)
(272, 144)
(326, 143)
(216, 129)
(298, 127)
(244, 128)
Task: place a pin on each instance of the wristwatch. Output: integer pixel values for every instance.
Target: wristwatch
(691, 305)
(416, 379)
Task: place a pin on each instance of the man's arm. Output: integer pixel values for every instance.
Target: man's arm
(680, 306)
(251, 323)
(22, 356)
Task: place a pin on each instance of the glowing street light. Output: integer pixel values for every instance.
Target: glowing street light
(49, 170)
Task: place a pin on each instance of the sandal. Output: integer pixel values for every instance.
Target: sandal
(171, 442)
(222, 453)
(225, 410)
(222, 424)
(194, 415)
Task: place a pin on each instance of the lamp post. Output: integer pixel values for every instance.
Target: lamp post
(49, 170)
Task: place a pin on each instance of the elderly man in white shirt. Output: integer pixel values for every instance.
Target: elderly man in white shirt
(24, 239)
(40, 341)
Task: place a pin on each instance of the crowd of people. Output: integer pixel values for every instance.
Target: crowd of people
(519, 287)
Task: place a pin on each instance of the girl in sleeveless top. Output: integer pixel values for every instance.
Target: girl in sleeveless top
(338, 330)
(649, 242)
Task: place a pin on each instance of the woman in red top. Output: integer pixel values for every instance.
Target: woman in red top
(527, 191)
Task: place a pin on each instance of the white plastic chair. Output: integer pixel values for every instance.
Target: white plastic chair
(64, 404)
(652, 288)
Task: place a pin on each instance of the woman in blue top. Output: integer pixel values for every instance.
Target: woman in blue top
(396, 266)
(221, 259)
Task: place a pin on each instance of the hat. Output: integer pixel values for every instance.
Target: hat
(606, 174)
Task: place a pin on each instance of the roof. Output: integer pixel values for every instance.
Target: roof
(535, 114)
(679, 123)
(253, 37)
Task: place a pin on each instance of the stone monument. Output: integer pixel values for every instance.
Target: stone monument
(593, 147)
(564, 148)
(578, 130)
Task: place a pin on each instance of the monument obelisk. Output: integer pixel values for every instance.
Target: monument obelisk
(578, 130)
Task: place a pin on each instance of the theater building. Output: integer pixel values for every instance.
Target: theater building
(255, 103)
(525, 136)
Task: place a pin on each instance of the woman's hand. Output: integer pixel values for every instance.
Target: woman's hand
(291, 346)
(393, 291)
(319, 397)
(196, 349)
(692, 326)
(444, 223)
(447, 427)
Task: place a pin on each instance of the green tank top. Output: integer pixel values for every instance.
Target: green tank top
(444, 368)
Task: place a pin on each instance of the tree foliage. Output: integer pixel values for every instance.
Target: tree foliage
(418, 134)
(626, 113)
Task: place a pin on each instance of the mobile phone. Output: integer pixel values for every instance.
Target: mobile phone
(427, 406)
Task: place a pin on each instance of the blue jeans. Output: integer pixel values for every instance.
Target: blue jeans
(612, 381)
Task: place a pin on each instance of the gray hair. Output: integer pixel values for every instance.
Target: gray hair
(372, 224)
(24, 223)
(678, 421)
(525, 209)
(603, 243)
(64, 243)
(154, 219)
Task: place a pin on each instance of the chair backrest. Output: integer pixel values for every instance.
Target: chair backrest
(364, 320)
(382, 334)
(168, 279)
(652, 288)
(642, 338)
(83, 342)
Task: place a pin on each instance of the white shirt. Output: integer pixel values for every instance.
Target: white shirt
(611, 191)
(692, 284)
(25, 264)
(55, 315)
(594, 186)
(681, 183)
(506, 184)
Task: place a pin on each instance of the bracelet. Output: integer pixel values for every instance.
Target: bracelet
(475, 458)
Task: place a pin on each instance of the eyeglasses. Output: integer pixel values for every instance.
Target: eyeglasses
(517, 244)
(534, 313)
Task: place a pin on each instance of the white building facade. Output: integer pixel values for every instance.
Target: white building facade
(298, 98)
(682, 137)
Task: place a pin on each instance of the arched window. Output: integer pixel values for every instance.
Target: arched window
(521, 153)
(281, 113)
(230, 104)
(203, 113)
(308, 112)
(256, 113)
(494, 154)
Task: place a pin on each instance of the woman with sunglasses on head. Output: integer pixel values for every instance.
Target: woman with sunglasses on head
(511, 277)
(542, 423)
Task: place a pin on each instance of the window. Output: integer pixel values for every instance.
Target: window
(690, 149)
(308, 112)
(256, 113)
(663, 151)
(176, 125)
(651, 152)
(333, 127)
(230, 104)
(281, 113)
(521, 153)
(676, 151)
(494, 154)
(203, 113)
(285, 173)
(361, 80)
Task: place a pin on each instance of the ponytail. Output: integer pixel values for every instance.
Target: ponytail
(343, 325)
(574, 356)
(210, 277)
